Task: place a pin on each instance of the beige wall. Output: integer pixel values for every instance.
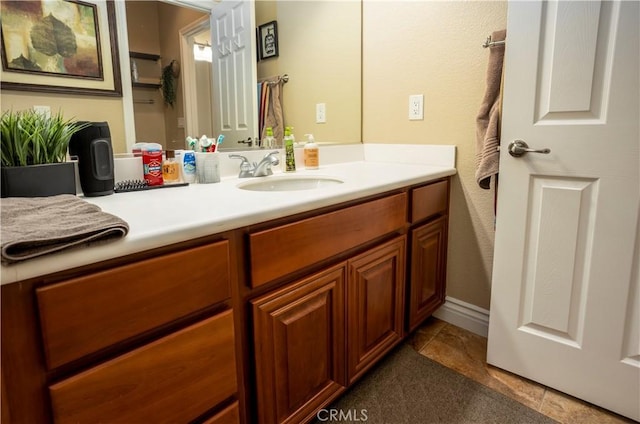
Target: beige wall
(142, 30)
(153, 27)
(431, 48)
(434, 48)
(82, 108)
(319, 45)
(171, 20)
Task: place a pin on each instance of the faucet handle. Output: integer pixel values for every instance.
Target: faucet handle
(243, 158)
(246, 170)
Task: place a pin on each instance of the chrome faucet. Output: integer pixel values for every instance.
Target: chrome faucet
(261, 169)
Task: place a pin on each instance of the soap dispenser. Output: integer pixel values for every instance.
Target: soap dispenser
(290, 158)
(269, 141)
(311, 153)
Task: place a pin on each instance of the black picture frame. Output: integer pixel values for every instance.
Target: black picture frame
(71, 84)
(268, 40)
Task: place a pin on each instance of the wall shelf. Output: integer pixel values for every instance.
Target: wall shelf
(145, 85)
(146, 82)
(144, 56)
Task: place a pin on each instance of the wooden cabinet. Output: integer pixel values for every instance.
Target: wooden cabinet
(375, 305)
(316, 336)
(299, 346)
(429, 220)
(278, 251)
(150, 340)
(122, 302)
(174, 379)
(204, 332)
(229, 415)
(300, 332)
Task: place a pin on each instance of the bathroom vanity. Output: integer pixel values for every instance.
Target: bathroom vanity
(255, 306)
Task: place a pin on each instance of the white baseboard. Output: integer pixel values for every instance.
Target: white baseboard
(464, 315)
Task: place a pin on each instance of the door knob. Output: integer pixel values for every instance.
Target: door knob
(519, 148)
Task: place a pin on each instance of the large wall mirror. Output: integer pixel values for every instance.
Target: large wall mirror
(319, 49)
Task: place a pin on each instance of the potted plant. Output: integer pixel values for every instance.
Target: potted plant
(33, 154)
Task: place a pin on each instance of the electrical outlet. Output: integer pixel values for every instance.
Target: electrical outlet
(416, 107)
(321, 113)
(43, 110)
(180, 122)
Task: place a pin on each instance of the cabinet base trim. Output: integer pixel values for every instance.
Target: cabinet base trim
(464, 315)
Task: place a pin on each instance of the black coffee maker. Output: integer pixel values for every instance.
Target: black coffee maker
(92, 146)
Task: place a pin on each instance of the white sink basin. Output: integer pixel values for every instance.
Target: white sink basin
(286, 183)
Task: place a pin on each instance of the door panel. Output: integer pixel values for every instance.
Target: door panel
(235, 104)
(564, 290)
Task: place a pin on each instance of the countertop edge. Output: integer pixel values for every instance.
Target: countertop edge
(136, 243)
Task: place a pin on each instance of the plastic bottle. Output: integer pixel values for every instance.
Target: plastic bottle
(289, 158)
(189, 166)
(134, 71)
(311, 153)
(269, 141)
(170, 168)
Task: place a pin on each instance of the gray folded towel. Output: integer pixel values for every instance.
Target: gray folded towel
(35, 226)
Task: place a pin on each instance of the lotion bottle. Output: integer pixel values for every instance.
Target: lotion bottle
(311, 153)
(269, 141)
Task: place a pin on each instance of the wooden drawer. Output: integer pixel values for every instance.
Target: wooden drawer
(281, 250)
(174, 379)
(86, 314)
(229, 415)
(429, 200)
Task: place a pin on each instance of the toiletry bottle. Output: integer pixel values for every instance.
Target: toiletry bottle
(170, 168)
(134, 71)
(269, 142)
(152, 163)
(189, 166)
(311, 153)
(290, 158)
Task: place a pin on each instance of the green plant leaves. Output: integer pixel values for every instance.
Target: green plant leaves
(168, 83)
(31, 138)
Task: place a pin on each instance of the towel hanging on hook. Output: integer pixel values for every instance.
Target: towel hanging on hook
(490, 43)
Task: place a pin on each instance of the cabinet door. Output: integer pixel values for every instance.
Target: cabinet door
(428, 270)
(299, 346)
(375, 304)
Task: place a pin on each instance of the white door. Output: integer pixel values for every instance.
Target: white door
(565, 306)
(235, 92)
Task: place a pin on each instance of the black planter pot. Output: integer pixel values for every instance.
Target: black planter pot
(38, 180)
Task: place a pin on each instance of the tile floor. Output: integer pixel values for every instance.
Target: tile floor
(465, 352)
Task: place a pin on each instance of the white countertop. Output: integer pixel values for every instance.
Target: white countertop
(170, 215)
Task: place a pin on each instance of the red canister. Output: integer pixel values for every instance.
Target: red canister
(152, 163)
